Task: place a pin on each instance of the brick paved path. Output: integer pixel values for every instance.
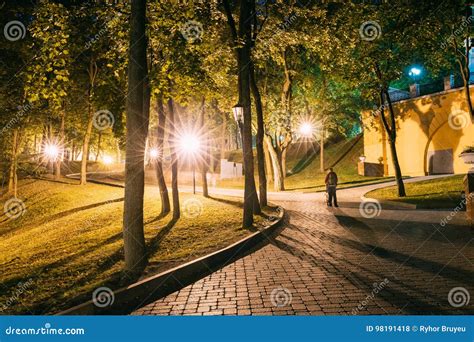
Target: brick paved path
(337, 262)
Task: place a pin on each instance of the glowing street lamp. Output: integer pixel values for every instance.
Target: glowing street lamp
(306, 129)
(415, 73)
(107, 160)
(190, 146)
(51, 151)
(51, 154)
(154, 153)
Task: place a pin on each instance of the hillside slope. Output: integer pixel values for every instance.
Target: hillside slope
(311, 178)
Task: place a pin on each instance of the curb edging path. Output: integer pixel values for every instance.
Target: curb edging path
(146, 291)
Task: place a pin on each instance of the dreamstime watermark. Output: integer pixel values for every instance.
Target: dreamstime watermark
(103, 297)
(103, 119)
(460, 30)
(14, 30)
(192, 31)
(192, 208)
(281, 297)
(18, 291)
(14, 208)
(377, 287)
(370, 30)
(284, 25)
(377, 110)
(458, 297)
(102, 32)
(22, 111)
(458, 119)
(370, 208)
(456, 210)
(46, 330)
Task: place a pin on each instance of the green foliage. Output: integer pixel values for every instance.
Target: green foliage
(48, 75)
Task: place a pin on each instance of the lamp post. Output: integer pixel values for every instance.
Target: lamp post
(415, 73)
(238, 112)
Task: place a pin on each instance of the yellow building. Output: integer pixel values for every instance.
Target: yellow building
(432, 131)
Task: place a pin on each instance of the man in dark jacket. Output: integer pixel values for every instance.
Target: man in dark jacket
(331, 185)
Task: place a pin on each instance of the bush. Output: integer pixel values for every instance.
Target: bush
(31, 170)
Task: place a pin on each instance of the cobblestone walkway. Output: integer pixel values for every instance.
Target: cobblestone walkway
(334, 261)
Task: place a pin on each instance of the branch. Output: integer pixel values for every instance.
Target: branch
(230, 21)
(255, 21)
(382, 114)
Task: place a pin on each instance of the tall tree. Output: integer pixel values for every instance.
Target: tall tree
(205, 159)
(160, 135)
(459, 38)
(137, 129)
(174, 160)
(242, 41)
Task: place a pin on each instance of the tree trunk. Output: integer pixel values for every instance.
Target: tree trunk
(390, 129)
(468, 100)
(396, 166)
(392, 134)
(463, 62)
(321, 151)
(57, 173)
(92, 72)
(283, 162)
(137, 130)
(13, 174)
(278, 180)
(243, 56)
(268, 163)
(262, 177)
(205, 158)
(223, 135)
(99, 141)
(251, 204)
(160, 135)
(119, 153)
(174, 162)
(85, 147)
(286, 96)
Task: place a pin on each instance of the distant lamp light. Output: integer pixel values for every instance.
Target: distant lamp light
(154, 153)
(107, 160)
(190, 144)
(414, 72)
(306, 129)
(362, 159)
(51, 151)
(238, 111)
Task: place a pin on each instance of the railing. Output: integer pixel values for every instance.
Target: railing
(429, 88)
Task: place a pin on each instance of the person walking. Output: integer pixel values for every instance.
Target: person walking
(331, 185)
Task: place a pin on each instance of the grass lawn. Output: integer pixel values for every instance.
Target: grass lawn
(69, 241)
(312, 179)
(438, 193)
